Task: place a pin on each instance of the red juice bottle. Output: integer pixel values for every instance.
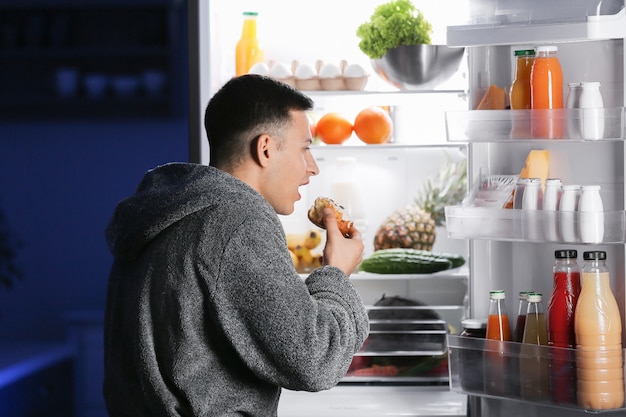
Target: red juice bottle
(521, 317)
(560, 325)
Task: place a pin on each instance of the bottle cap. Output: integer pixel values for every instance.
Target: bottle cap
(547, 48)
(497, 295)
(565, 253)
(590, 187)
(594, 255)
(523, 295)
(250, 13)
(524, 52)
(474, 323)
(535, 297)
(554, 181)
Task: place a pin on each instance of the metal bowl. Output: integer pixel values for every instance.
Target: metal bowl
(418, 67)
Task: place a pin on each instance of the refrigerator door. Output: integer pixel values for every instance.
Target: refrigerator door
(373, 401)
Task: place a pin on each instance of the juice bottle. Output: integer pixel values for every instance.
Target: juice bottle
(248, 51)
(598, 328)
(534, 384)
(546, 93)
(560, 325)
(520, 89)
(521, 316)
(495, 360)
(471, 365)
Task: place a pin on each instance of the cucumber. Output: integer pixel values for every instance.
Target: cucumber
(456, 259)
(406, 261)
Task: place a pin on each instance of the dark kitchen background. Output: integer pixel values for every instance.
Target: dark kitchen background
(92, 94)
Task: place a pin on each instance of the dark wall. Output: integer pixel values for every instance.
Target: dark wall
(59, 183)
(60, 180)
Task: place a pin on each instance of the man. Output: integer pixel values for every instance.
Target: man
(206, 315)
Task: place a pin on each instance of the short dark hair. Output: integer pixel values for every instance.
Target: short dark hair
(244, 108)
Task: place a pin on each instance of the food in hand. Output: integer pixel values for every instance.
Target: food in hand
(316, 214)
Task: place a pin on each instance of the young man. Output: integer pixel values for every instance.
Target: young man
(206, 315)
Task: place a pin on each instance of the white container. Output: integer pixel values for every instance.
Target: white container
(551, 198)
(573, 102)
(568, 207)
(533, 195)
(531, 203)
(592, 116)
(573, 95)
(520, 184)
(591, 214)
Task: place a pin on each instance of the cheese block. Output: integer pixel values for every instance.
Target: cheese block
(537, 165)
(494, 99)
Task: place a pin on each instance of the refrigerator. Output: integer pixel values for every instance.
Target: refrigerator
(504, 254)
(431, 127)
(387, 177)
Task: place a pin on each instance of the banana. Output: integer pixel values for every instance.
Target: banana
(313, 239)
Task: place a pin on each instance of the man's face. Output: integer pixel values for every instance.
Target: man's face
(292, 164)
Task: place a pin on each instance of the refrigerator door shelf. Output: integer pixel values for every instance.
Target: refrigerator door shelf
(521, 372)
(527, 225)
(373, 401)
(517, 125)
(536, 21)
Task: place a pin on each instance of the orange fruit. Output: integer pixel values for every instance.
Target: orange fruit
(333, 129)
(373, 125)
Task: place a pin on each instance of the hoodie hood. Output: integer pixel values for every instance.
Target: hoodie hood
(166, 195)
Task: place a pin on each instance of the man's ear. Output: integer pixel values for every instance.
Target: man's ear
(261, 149)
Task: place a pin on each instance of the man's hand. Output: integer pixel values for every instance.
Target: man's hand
(343, 252)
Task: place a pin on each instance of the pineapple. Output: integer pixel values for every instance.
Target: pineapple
(409, 227)
(414, 226)
(446, 189)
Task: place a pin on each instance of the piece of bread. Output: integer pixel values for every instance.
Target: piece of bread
(316, 214)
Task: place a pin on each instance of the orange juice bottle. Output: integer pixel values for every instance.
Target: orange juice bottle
(546, 93)
(248, 51)
(598, 328)
(495, 360)
(519, 96)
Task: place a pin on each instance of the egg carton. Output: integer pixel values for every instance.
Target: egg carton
(322, 77)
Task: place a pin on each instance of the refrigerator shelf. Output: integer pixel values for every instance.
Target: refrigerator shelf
(536, 21)
(325, 100)
(531, 374)
(528, 226)
(516, 125)
(461, 272)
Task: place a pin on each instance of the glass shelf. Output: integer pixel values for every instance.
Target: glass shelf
(517, 371)
(330, 99)
(517, 125)
(461, 272)
(536, 21)
(527, 226)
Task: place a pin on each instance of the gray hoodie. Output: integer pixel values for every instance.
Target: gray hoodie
(205, 314)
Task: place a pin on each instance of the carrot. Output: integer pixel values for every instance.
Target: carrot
(387, 370)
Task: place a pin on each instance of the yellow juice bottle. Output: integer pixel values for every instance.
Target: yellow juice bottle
(248, 51)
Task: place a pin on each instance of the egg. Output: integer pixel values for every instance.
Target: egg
(260, 68)
(280, 71)
(330, 71)
(354, 71)
(305, 71)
